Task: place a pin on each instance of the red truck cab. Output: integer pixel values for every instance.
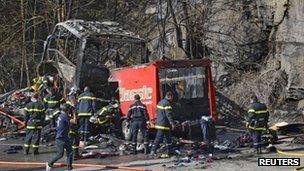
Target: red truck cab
(189, 80)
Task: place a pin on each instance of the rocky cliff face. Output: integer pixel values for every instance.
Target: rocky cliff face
(257, 47)
(280, 80)
(289, 42)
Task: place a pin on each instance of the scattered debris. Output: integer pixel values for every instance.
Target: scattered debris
(298, 140)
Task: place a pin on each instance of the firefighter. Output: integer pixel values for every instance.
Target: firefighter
(85, 109)
(257, 122)
(164, 123)
(74, 122)
(138, 116)
(34, 120)
(104, 115)
(52, 103)
(208, 130)
(43, 84)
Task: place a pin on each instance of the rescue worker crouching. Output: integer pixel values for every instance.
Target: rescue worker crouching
(52, 103)
(104, 117)
(138, 116)
(257, 122)
(164, 123)
(85, 109)
(34, 119)
(74, 122)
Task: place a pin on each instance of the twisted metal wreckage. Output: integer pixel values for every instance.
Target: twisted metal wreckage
(80, 53)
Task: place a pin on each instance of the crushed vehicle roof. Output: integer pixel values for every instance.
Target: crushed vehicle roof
(86, 29)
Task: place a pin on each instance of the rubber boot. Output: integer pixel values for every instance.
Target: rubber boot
(36, 152)
(26, 151)
(146, 149)
(153, 151)
(257, 150)
(260, 150)
(76, 153)
(134, 151)
(169, 150)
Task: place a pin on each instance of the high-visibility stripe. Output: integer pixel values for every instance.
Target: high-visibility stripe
(102, 110)
(75, 147)
(70, 103)
(73, 132)
(55, 113)
(33, 127)
(86, 98)
(27, 145)
(162, 127)
(35, 146)
(34, 110)
(84, 114)
(102, 122)
(257, 129)
(134, 107)
(41, 85)
(51, 101)
(251, 110)
(258, 111)
(261, 111)
(164, 107)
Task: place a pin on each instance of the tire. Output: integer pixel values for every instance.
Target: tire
(126, 131)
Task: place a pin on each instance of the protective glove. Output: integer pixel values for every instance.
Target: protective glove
(172, 127)
(93, 119)
(127, 123)
(148, 124)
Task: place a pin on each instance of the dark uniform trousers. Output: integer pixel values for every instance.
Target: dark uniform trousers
(32, 139)
(135, 127)
(85, 127)
(159, 138)
(256, 136)
(75, 139)
(62, 145)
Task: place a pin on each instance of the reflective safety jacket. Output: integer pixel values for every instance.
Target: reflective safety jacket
(257, 118)
(34, 115)
(52, 103)
(109, 110)
(86, 104)
(164, 115)
(39, 83)
(138, 112)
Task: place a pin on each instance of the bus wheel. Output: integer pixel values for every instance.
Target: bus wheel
(126, 131)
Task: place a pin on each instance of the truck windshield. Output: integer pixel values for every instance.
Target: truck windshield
(185, 83)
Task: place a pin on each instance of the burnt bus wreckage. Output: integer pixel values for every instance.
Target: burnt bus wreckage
(81, 53)
(101, 55)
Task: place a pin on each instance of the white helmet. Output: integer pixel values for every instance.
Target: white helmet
(73, 90)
